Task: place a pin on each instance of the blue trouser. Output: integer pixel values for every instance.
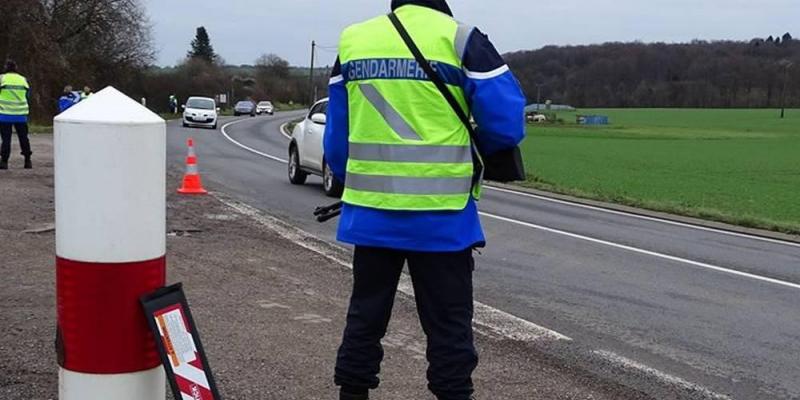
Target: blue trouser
(443, 290)
(5, 137)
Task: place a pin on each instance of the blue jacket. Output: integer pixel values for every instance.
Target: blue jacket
(68, 100)
(497, 104)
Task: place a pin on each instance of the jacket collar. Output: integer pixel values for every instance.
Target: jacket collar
(438, 5)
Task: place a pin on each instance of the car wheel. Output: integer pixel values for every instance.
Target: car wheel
(214, 127)
(185, 125)
(296, 175)
(332, 186)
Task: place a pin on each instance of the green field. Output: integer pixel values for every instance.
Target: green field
(735, 166)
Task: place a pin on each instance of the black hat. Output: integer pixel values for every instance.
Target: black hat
(439, 5)
(11, 66)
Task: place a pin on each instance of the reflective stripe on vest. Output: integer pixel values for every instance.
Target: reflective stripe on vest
(408, 150)
(410, 153)
(13, 95)
(408, 185)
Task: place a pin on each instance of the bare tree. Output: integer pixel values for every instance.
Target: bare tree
(82, 42)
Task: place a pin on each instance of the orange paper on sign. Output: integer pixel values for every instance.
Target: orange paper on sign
(162, 326)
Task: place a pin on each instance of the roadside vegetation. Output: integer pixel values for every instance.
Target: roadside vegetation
(75, 42)
(735, 166)
(48, 39)
(290, 106)
(292, 124)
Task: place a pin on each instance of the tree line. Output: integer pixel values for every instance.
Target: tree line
(78, 42)
(204, 73)
(697, 74)
(97, 43)
(108, 42)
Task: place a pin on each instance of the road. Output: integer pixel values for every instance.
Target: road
(698, 306)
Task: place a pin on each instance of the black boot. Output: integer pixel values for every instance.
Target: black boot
(350, 395)
(3, 164)
(28, 163)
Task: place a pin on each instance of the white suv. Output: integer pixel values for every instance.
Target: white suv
(306, 154)
(200, 111)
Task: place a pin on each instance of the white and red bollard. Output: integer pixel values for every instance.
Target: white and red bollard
(110, 180)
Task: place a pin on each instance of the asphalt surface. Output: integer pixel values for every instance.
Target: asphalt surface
(706, 307)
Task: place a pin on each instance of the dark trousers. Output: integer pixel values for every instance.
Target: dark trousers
(22, 134)
(443, 290)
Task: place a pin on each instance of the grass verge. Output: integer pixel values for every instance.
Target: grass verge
(289, 107)
(290, 126)
(734, 166)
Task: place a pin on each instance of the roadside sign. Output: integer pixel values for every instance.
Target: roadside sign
(222, 98)
(179, 345)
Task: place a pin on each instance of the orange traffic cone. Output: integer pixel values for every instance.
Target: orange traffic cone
(191, 181)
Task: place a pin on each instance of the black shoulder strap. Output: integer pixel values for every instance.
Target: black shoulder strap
(434, 77)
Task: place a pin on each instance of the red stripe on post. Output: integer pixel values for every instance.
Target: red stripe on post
(102, 328)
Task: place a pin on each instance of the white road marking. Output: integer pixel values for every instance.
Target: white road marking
(587, 238)
(250, 149)
(642, 217)
(283, 131)
(626, 363)
(645, 252)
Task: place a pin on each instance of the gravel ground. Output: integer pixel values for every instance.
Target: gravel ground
(270, 312)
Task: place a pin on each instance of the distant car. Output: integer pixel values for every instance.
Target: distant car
(265, 107)
(536, 118)
(306, 154)
(200, 112)
(246, 107)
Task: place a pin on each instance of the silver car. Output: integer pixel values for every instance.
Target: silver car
(246, 107)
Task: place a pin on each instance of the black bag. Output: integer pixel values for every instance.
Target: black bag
(503, 166)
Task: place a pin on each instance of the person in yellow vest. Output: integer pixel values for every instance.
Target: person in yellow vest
(14, 99)
(408, 165)
(86, 93)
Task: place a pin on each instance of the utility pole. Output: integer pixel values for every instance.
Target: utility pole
(311, 75)
(233, 90)
(786, 65)
(539, 95)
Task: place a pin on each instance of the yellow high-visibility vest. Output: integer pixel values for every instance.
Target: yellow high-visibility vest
(14, 94)
(407, 149)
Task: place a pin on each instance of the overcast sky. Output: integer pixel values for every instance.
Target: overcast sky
(241, 30)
